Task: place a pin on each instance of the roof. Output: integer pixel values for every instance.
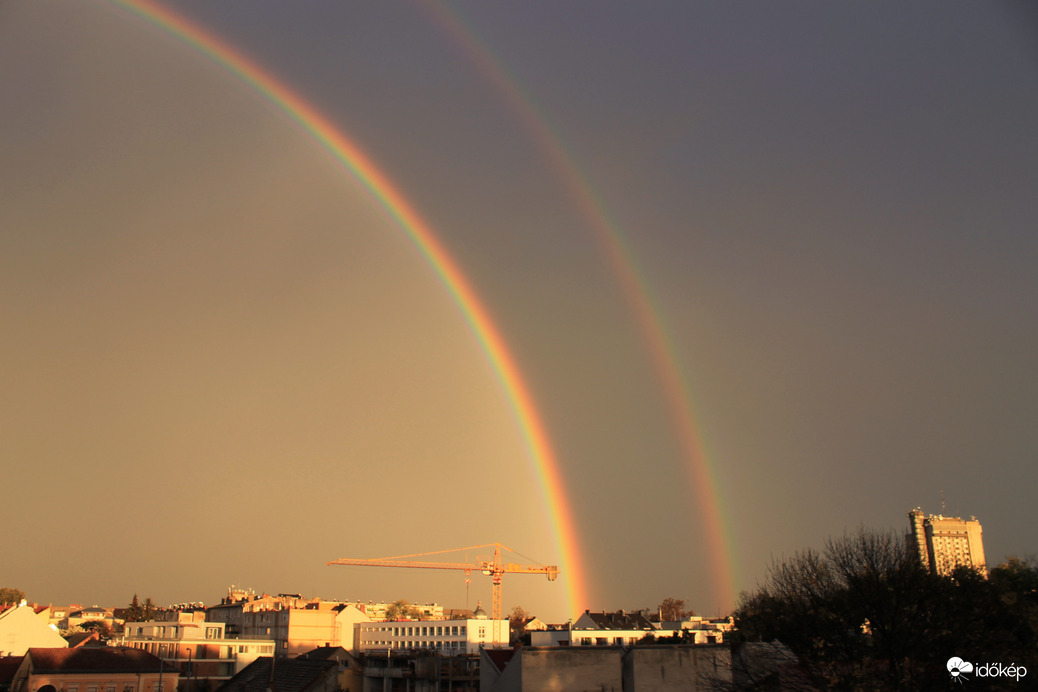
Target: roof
(8, 667)
(82, 639)
(499, 657)
(620, 621)
(95, 660)
(290, 675)
(326, 653)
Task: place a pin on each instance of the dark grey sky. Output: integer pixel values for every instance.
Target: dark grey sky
(222, 363)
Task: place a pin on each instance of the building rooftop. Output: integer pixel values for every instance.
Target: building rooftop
(288, 675)
(95, 660)
(620, 620)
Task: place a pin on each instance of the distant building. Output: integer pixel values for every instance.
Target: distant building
(76, 618)
(945, 543)
(626, 629)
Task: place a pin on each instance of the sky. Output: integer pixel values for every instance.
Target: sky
(767, 272)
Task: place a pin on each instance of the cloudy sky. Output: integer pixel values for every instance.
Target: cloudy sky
(223, 362)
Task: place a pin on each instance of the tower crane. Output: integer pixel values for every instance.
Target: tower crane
(492, 567)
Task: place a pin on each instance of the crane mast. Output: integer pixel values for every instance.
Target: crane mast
(494, 568)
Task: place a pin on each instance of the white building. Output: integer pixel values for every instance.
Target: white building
(627, 629)
(448, 637)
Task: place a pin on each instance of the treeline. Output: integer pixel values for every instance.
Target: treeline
(864, 613)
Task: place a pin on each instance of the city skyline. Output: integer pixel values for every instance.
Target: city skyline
(739, 278)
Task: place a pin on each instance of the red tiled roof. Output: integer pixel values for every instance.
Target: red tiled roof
(8, 667)
(90, 660)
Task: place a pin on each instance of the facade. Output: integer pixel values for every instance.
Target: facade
(21, 628)
(297, 630)
(586, 637)
(677, 668)
(102, 669)
(945, 543)
(198, 649)
(643, 668)
(553, 669)
(419, 671)
(446, 637)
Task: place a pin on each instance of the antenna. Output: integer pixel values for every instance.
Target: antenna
(944, 506)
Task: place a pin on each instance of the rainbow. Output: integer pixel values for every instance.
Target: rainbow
(353, 159)
(701, 474)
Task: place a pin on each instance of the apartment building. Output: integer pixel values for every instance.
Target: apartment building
(946, 543)
(199, 650)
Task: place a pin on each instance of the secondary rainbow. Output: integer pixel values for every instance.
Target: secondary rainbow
(358, 164)
(702, 477)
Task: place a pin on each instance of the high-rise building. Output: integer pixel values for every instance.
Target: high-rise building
(944, 543)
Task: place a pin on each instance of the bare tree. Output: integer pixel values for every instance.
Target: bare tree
(673, 609)
(864, 613)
